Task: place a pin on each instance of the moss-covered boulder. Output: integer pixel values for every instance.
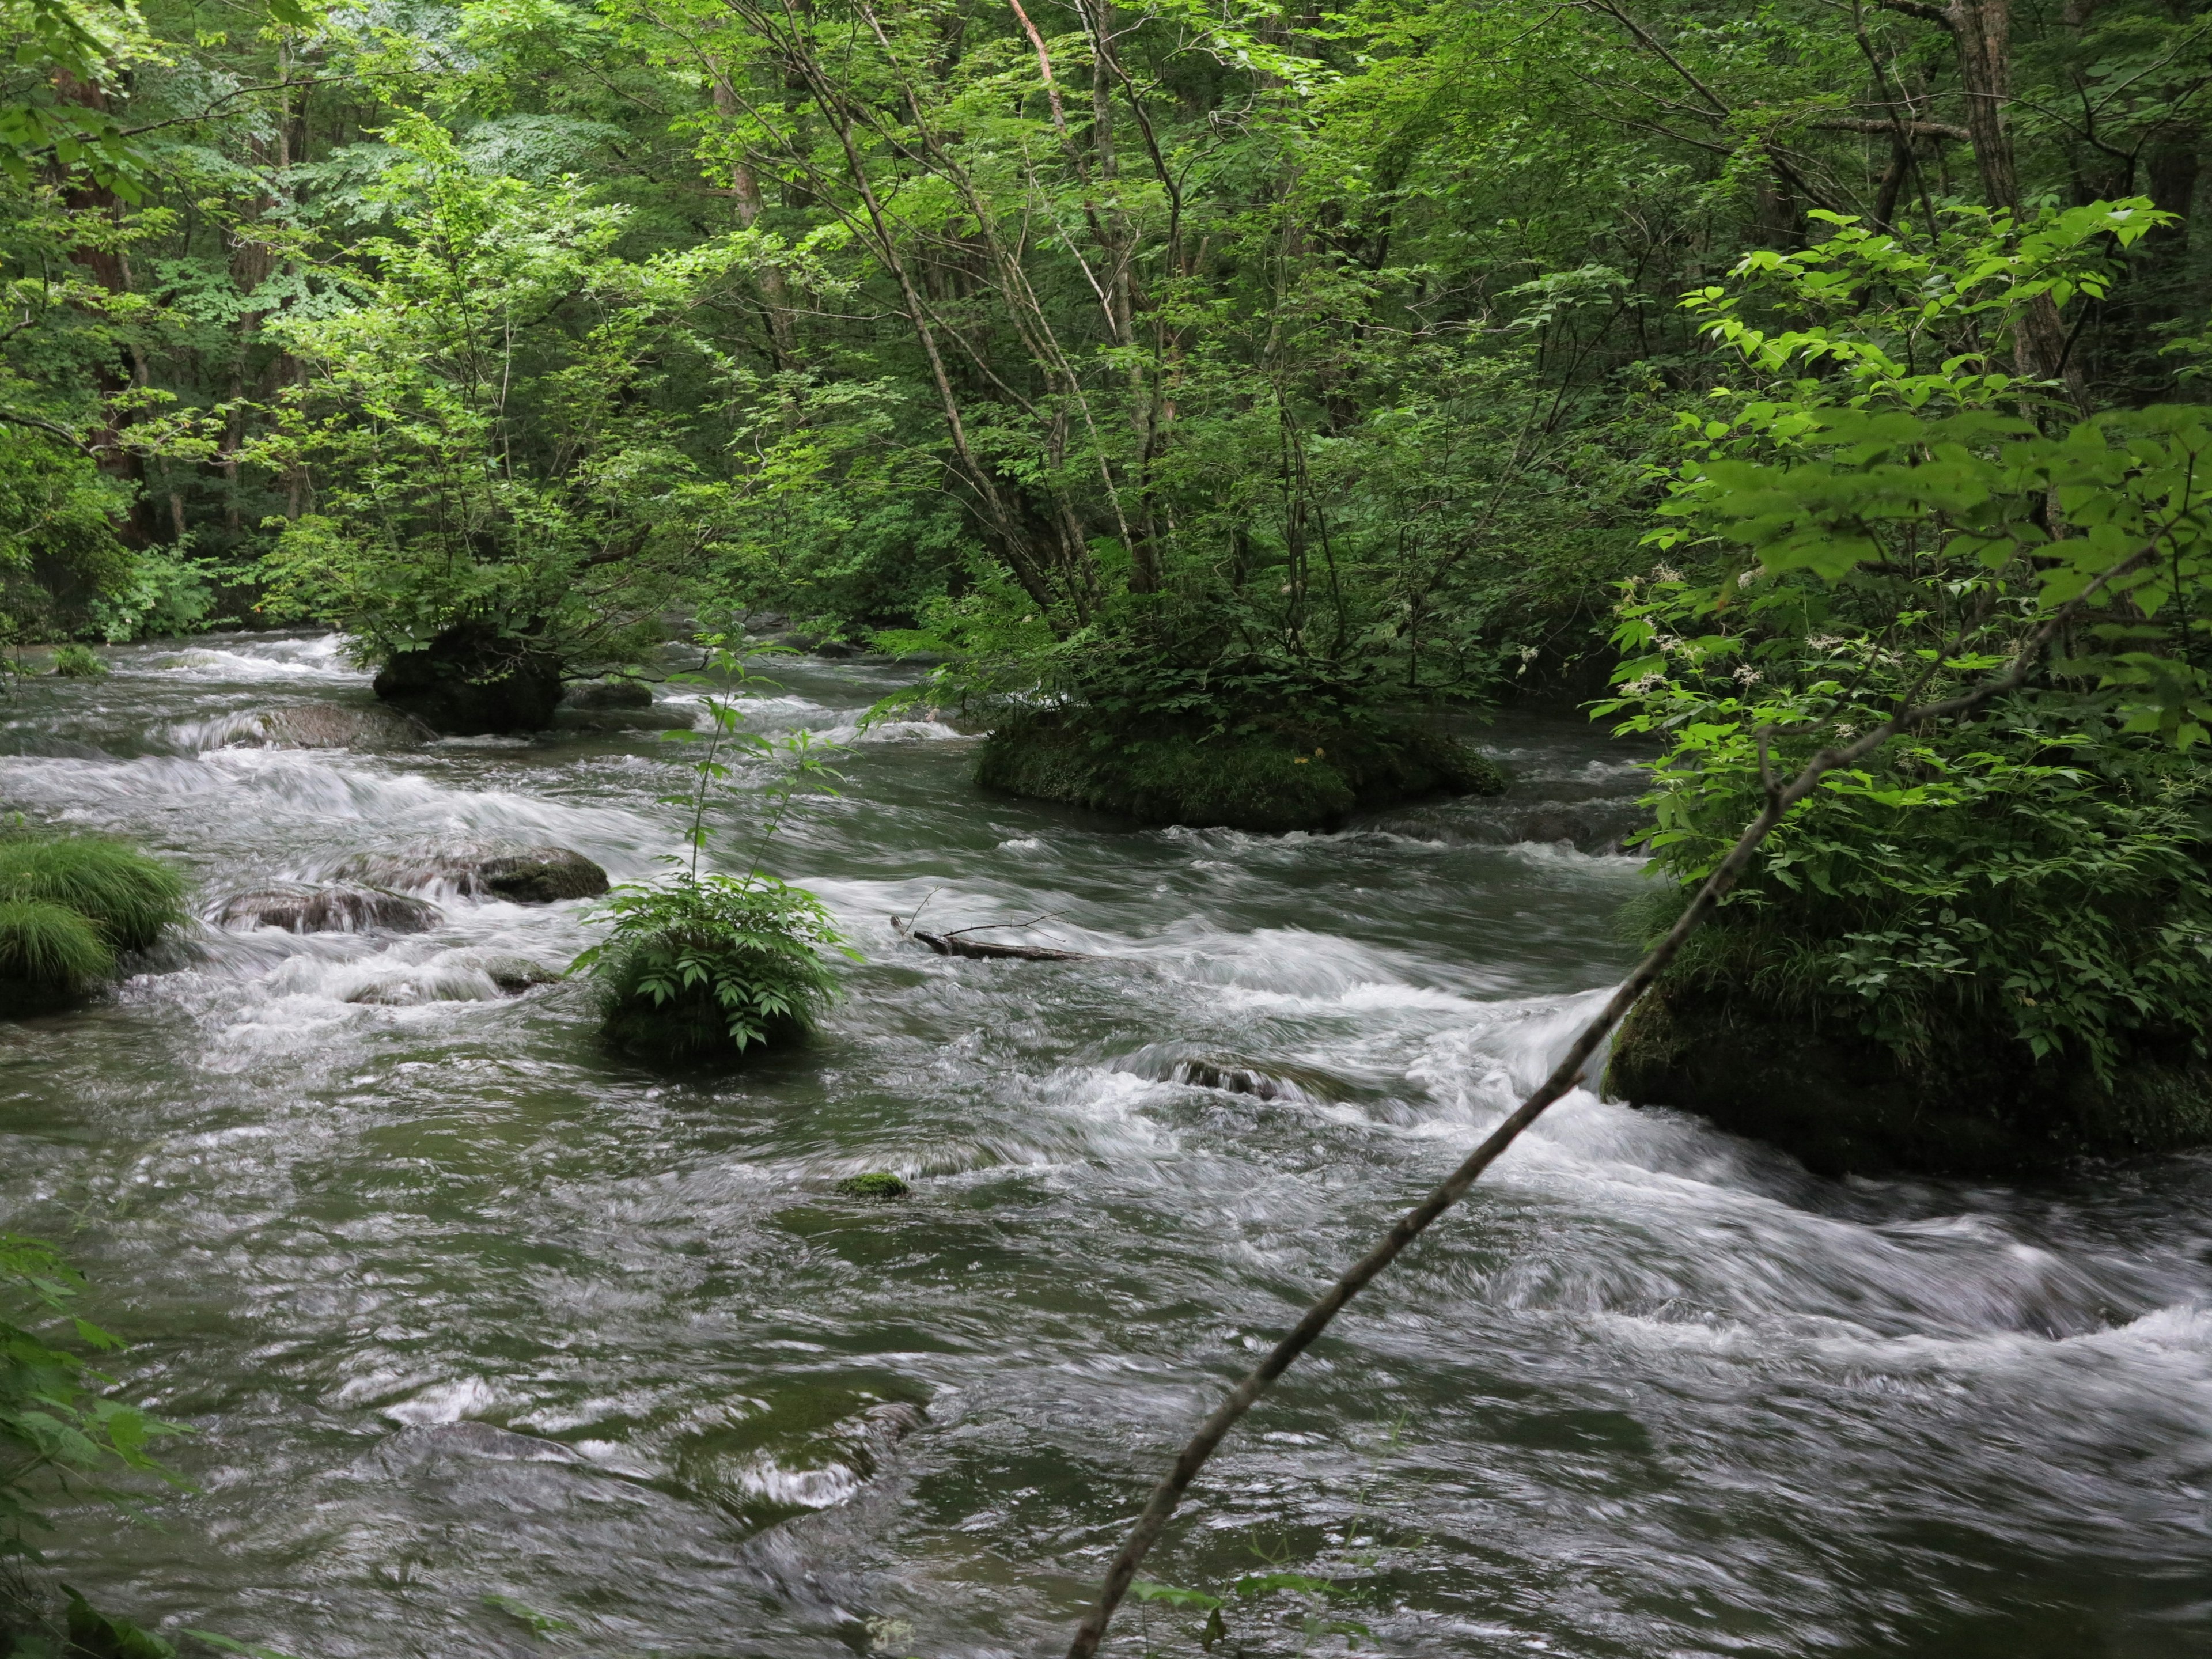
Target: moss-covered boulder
(1273, 779)
(1845, 1105)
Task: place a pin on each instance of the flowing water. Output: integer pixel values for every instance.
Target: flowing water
(458, 1306)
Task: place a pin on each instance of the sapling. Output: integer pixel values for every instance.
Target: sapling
(706, 964)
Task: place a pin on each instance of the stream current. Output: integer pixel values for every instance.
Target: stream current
(458, 1306)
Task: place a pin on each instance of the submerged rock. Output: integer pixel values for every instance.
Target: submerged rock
(533, 875)
(1270, 780)
(1165, 1062)
(457, 976)
(472, 681)
(876, 1183)
(343, 908)
(1844, 1104)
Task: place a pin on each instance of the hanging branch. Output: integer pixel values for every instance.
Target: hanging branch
(1780, 799)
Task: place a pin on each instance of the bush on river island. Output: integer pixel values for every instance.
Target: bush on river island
(712, 966)
(2016, 973)
(68, 906)
(1267, 776)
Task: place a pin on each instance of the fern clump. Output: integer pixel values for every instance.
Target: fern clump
(129, 897)
(713, 965)
(79, 662)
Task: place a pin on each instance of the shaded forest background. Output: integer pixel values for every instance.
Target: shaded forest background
(1336, 349)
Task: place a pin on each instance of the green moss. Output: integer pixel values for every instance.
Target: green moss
(48, 955)
(1290, 777)
(876, 1183)
(79, 662)
(1982, 1105)
(130, 897)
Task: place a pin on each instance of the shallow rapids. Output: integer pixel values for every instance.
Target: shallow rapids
(479, 1329)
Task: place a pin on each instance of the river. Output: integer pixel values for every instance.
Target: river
(492, 1343)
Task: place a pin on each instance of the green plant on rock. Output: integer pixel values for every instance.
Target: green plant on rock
(79, 662)
(708, 965)
(129, 897)
(70, 905)
(49, 954)
(703, 965)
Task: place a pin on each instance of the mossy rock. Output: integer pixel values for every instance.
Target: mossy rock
(474, 679)
(616, 691)
(1844, 1104)
(689, 1029)
(876, 1183)
(1270, 781)
(79, 662)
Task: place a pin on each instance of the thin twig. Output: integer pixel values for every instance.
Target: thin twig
(1566, 1076)
(985, 926)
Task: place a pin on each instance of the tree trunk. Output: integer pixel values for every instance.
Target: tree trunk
(1981, 30)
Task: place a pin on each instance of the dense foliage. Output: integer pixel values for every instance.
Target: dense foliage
(1879, 513)
(1326, 350)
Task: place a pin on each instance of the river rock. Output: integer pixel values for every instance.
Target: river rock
(512, 974)
(343, 908)
(533, 875)
(332, 725)
(472, 681)
(1165, 1062)
(611, 693)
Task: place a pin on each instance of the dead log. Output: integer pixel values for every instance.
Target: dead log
(953, 945)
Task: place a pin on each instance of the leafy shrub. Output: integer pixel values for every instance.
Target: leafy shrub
(2041, 882)
(713, 965)
(47, 951)
(128, 895)
(164, 595)
(53, 1422)
(79, 662)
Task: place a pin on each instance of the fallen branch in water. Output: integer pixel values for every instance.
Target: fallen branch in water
(1780, 798)
(952, 945)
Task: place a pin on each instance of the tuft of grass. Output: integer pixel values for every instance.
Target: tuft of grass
(48, 951)
(79, 662)
(128, 896)
(876, 1183)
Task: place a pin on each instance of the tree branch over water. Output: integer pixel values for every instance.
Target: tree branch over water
(1780, 799)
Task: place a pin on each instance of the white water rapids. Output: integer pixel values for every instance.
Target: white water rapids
(459, 1306)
